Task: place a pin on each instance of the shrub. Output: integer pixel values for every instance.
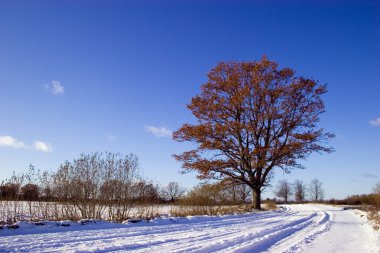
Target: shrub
(270, 204)
(374, 216)
(9, 191)
(30, 192)
(206, 199)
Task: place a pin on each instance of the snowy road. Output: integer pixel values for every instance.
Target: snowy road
(296, 228)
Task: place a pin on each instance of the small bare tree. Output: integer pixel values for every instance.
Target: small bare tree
(283, 190)
(173, 191)
(315, 190)
(236, 192)
(240, 193)
(299, 191)
(145, 192)
(45, 182)
(376, 189)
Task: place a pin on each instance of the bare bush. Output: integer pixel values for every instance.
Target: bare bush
(9, 191)
(270, 204)
(30, 192)
(97, 183)
(374, 216)
(206, 199)
(96, 186)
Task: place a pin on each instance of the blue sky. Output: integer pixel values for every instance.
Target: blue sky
(86, 76)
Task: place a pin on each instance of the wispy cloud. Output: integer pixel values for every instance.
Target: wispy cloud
(43, 146)
(55, 88)
(369, 175)
(375, 122)
(9, 141)
(158, 131)
(111, 137)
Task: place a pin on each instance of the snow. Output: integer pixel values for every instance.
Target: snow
(39, 209)
(294, 228)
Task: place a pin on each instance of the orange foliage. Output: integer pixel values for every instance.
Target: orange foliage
(252, 118)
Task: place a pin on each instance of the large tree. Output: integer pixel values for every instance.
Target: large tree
(253, 117)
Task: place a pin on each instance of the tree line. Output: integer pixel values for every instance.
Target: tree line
(98, 185)
(299, 191)
(371, 199)
(108, 186)
(104, 185)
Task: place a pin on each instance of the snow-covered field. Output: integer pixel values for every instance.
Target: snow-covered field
(42, 210)
(295, 228)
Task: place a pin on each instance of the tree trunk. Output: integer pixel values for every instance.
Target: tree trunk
(256, 198)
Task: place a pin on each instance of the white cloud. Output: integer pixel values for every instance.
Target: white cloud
(42, 146)
(55, 88)
(9, 141)
(159, 131)
(375, 122)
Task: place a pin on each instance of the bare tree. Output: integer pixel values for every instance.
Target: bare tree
(173, 191)
(315, 190)
(239, 193)
(145, 192)
(117, 189)
(236, 192)
(376, 189)
(299, 191)
(253, 117)
(283, 190)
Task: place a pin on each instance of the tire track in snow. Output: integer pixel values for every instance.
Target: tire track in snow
(140, 233)
(215, 243)
(295, 242)
(251, 242)
(266, 238)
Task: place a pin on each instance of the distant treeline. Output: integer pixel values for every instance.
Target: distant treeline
(104, 185)
(108, 179)
(364, 199)
(108, 186)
